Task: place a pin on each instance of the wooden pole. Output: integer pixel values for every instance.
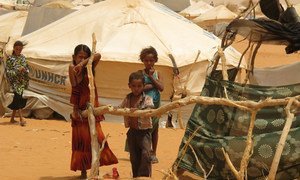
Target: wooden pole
(95, 148)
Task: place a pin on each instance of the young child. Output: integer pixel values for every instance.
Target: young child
(139, 133)
(153, 87)
(17, 71)
(81, 140)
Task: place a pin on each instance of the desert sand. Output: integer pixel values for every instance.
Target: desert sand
(42, 149)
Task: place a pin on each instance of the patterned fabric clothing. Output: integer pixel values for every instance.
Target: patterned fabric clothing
(81, 140)
(81, 146)
(18, 79)
(144, 102)
(154, 93)
(220, 126)
(81, 93)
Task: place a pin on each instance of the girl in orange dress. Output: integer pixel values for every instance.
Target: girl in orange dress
(81, 140)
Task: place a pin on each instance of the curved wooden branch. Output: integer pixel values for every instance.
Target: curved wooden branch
(91, 117)
(248, 149)
(240, 175)
(184, 149)
(199, 164)
(229, 163)
(94, 144)
(243, 105)
(281, 143)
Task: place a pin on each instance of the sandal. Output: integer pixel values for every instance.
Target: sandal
(154, 159)
(23, 123)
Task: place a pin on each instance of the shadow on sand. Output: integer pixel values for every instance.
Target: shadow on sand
(9, 124)
(59, 178)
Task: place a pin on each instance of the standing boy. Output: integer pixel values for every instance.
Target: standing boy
(139, 133)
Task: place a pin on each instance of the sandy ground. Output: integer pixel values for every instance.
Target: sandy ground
(42, 149)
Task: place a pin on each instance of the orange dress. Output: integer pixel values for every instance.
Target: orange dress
(81, 140)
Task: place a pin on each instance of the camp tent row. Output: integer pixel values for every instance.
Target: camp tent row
(212, 18)
(122, 29)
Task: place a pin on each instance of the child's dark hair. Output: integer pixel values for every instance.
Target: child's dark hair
(87, 50)
(136, 75)
(84, 48)
(148, 50)
(18, 43)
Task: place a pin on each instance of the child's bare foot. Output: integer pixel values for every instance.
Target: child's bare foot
(83, 174)
(13, 121)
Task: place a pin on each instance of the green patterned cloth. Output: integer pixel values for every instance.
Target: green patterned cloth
(17, 72)
(223, 126)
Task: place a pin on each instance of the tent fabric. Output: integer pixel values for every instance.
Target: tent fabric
(175, 5)
(227, 127)
(142, 18)
(83, 2)
(38, 106)
(196, 9)
(4, 11)
(268, 31)
(276, 76)
(215, 15)
(39, 17)
(11, 25)
(122, 28)
(59, 4)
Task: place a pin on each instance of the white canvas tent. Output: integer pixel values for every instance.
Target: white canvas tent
(11, 25)
(83, 2)
(276, 76)
(196, 9)
(122, 29)
(215, 15)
